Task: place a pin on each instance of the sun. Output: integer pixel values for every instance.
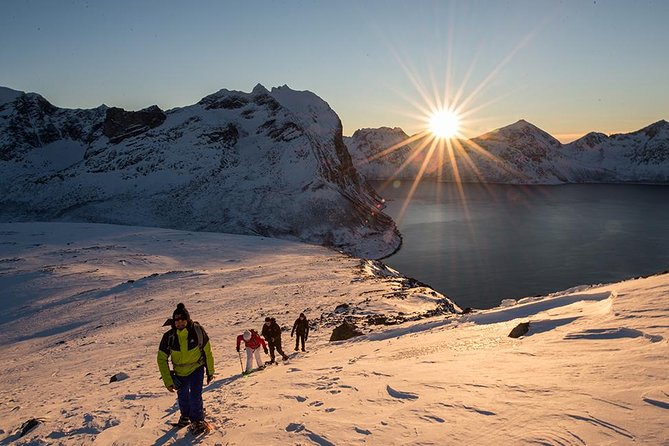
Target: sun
(444, 124)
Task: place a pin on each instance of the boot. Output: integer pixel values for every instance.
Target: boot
(199, 427)
(183, 421)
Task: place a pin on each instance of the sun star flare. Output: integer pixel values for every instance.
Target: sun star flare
(444, 124)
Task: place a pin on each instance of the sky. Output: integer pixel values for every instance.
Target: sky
(569, 67)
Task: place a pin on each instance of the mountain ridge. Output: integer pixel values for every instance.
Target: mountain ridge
(522, 153)
(266, 163)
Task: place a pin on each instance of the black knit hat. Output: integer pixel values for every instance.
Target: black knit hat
(181, 311)
(268, 319)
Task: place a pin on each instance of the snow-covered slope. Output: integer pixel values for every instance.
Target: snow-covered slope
(267, 162)
(381, 153)
(83, 302)
(521, 153)
(641, 156)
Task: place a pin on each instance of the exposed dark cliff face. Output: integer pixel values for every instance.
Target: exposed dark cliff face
(120, 124)
(268, 163)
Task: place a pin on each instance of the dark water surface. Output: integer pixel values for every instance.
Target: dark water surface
(497, 242)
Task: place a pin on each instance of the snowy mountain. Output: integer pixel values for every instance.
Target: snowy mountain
(521, 153)
(369, 149)
(86, 302)
(641, 156)
(267, 162)
(8, 95)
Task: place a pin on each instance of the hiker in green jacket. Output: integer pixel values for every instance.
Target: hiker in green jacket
(188, 345)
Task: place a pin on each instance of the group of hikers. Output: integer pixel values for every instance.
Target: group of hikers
(189, 347)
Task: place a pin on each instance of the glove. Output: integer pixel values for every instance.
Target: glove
(237, 349)
(209, 378)
(265, 350)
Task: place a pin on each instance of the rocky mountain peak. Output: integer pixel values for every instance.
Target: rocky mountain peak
(523, 136)
(8, 95)
(380, 132)
(590, 140)
(259, 89)
(269, 163)
(655, 128)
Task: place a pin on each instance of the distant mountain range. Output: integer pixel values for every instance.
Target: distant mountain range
(520, 153)
(269, 163)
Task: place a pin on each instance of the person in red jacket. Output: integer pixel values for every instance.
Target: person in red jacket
(253, 342)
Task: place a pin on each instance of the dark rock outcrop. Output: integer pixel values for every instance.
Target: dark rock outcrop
(29, 425)
(345, 331)
(120, 124)
(118, 377)
(520, 330)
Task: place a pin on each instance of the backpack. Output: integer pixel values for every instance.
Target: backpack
(198, 332)
(200, 341)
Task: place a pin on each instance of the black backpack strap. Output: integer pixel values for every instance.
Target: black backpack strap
(170, 338)
(200, 343)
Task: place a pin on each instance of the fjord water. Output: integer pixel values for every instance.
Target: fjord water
(486, 243)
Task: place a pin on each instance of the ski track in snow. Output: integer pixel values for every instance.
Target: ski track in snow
(85, 304)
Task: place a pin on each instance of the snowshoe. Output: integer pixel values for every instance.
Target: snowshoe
(247, 373)
(200, 427)
(183, 422)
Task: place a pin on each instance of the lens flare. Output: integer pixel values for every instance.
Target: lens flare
(444, 124)
(438, 149)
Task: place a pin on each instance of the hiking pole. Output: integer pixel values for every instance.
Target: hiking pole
(240, 361)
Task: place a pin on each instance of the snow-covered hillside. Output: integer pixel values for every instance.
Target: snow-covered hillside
(521, 153)
(641, 156)
(83, 302)
(270, 163)
(382, 153)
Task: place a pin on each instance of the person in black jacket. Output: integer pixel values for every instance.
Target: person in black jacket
(272, 334)
(301, 326)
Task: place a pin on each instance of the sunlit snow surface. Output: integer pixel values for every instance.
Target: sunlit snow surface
(82, 302)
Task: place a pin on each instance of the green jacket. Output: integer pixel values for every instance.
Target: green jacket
(184, 348)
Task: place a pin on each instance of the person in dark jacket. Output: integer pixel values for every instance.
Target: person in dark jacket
(190, 350)
(301, 327)
(272, 334)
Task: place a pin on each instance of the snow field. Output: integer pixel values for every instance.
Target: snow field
(84, 302)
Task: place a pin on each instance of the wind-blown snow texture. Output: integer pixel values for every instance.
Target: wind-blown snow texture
(521, 153)
(83, 302)
(268, 163)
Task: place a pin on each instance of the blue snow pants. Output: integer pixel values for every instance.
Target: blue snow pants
(190, 395)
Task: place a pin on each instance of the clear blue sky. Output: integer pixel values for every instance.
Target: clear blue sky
(567, 66)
